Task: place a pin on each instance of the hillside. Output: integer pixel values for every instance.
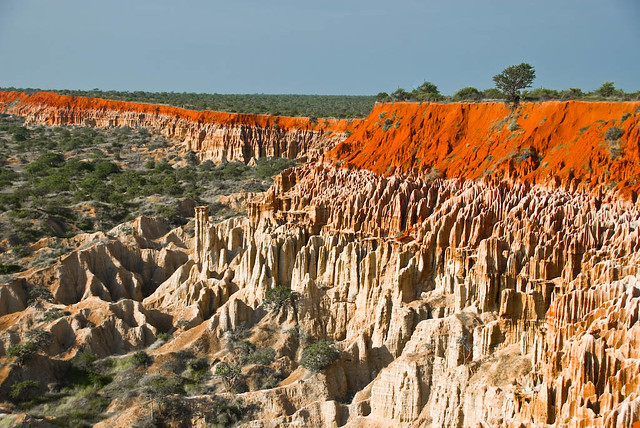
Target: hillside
(540, 142)
(435, 266)
(216, 136)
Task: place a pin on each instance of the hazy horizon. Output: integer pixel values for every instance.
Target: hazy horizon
(336, 48)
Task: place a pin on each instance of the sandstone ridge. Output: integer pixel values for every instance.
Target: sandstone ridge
(561, 142)
(215, 136)
(456, 299)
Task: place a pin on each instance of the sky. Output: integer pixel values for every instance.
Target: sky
(315, 47)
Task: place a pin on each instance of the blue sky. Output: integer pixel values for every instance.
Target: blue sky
(315, 47)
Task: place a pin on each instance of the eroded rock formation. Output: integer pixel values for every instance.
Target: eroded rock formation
(463, 298)
(214, 136)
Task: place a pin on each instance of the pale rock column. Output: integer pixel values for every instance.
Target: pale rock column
(201, 226)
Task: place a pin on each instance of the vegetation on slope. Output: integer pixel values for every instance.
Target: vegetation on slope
(59, 181)
(429, 92)
(339, 106)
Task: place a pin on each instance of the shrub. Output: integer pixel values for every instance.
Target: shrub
(22, 353)
(163, 337)
(198, 364)
(319, 355)
(387, 124)
(607, 89)
(279, 296)
(541, 94)
(613, 133)
(427, 88)
(53, 314)
(230, 374)
(84, 360)
(20, 133)
(44, 163)
(571, 94)
(172, 408)
(493, 94)
(141, 358)
(382, 97)
(40, 337)
(469, 93)
(25, 390)
(267, 168)
(38, 293)
(226, 413)
(156, 385)
(7, 269)
(263, 356)
(399, 95)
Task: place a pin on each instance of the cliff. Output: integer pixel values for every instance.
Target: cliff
(459, 290)
(562, 142)
(216, 136)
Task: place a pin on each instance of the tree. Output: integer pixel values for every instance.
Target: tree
(513, 79)
(469, 93)
(427, 88)
(319, 355)
(230, 374)
(279, 296)
(399, 95)
(608, 89)
(24, 390)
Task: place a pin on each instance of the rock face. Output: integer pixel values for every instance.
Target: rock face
(470, 300)
(566, 141)
(451, 278)
(214, 136)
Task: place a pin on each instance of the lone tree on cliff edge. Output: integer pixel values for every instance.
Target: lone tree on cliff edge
(513, 79)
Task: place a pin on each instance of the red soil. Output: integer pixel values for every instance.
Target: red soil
(50, 99)
(561, 142)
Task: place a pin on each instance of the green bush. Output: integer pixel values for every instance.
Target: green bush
(53, 314)
(468, 94)
(22, 352)
(571, 94)
(541, 94)
(226, 413)
(607, 89)
(39, 336)
(399, 95)
(613, 133)
(230, 374)
(38, 293)
(163, 337)
(269, 167)
(20, 133)
(7, 177)
(279, 296)
(25, 390)
(45, 162)
(84, 360)
(388, 123)
(263, 356)
(319, 355)
(141, 358)
(10, 268)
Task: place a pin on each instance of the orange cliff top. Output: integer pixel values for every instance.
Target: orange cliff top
(22, 100)
(555, 140)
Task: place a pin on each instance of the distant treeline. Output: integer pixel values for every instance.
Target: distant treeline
(339, 106)
(429, 92)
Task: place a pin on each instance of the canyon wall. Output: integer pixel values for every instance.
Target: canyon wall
(215, 136)
(471, 272)
(550, 142)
